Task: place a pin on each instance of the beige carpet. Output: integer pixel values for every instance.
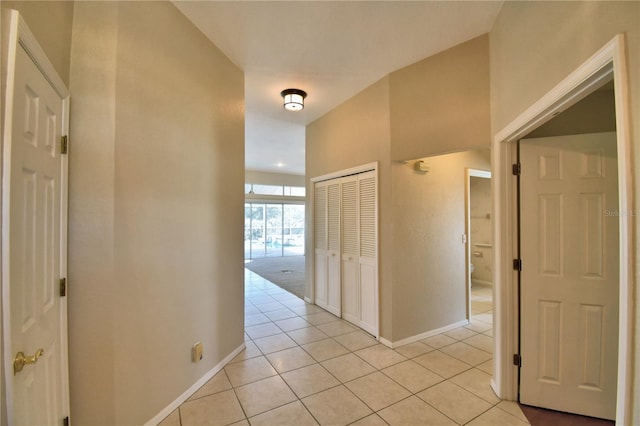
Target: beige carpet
(286, 272)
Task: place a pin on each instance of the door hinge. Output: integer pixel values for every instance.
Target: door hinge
(516, 169)
(517, 264)
(65, 421)
(63, 287)
(64, 144)
(517, 360)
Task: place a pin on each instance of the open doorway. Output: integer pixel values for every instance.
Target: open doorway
(606, 64)
(479, 244)
(274, 229)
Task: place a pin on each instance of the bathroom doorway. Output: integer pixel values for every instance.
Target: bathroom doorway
(479, 246)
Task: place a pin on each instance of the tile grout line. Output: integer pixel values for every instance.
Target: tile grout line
(269, 321)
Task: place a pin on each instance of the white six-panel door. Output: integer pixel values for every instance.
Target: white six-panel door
(33, 222)
(569, 329)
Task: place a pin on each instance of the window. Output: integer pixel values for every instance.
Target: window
(277, 190)
(296, 191)
(273, 229)
(267, 189)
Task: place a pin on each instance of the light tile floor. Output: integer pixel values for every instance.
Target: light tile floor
(304, 366)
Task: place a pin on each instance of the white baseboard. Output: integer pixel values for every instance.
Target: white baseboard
(387, 343)
(194, 388)
(308, 300)
(494, 386)
(421, 336)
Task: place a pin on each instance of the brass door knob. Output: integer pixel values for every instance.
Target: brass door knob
(20, 360)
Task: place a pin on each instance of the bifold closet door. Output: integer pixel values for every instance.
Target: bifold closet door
(320, 252)
(350, 250)
(327, 246)
(334, 297)
(359, 251)
(346, 249)
(368, 251)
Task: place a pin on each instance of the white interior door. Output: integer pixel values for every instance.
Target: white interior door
(570, 268)
(34, 182)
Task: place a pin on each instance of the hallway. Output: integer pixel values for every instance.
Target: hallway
(304, 366)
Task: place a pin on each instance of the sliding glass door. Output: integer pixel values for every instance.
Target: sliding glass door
(273, 229)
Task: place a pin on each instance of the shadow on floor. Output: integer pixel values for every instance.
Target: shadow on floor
(543, 417)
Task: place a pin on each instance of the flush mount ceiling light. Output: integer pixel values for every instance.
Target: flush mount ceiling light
(293, 99)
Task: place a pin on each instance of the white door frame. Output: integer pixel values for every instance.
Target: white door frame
(467, 197)
(20, 35)
(609, 61)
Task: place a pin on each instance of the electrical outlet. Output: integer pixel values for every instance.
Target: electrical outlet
(196, 352)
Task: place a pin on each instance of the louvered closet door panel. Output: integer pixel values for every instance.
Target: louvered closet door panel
(368, 210)
(350, 268)
(321, 217)
(333, 245)
(320, 234)
(333, 216)
(368, 239)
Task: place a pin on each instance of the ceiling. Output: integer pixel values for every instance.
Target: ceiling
(330, 49)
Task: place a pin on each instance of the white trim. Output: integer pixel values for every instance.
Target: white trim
(610, 60)
(64, 244)
(377, 293)
(424, 335)
(20, 34)
(624, 406)
(273, 199)
(387, 343)
(347, 172)
(12, 19)
(194, 388)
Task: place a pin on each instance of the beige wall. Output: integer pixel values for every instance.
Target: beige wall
(267, 178)
(155, 248)
(428, 215)
(412, 113)
(534, 45)
(441, 104)
(355, 133)
(594, 114)
(91, 213)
